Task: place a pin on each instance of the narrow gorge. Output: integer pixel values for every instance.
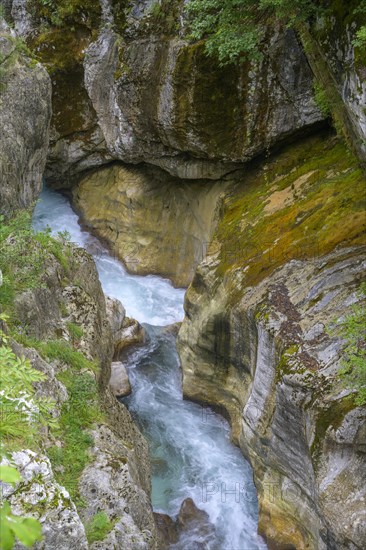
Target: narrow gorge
(182, 274)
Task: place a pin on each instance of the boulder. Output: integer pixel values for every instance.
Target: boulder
(131, 333)
(119, 382)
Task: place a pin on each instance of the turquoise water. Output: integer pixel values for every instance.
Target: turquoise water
(190, 447)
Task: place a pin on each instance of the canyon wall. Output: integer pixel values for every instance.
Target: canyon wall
(284, 266)
(94, 463)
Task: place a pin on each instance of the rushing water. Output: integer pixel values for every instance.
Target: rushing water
(190, 447)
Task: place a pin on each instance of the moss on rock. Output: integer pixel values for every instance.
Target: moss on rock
(300, 205)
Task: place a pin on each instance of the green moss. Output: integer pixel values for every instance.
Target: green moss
(122, 67)
(331, 417)
(66, 13)
(119, 8)
(267, 223)
(287, 362)
(64, 36)
(163, 17)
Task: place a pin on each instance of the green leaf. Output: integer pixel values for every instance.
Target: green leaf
(27, 530)
(7, 537)
(8, 474)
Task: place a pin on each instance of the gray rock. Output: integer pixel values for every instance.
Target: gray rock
(39, 496)
(25, 113)
(119, 382)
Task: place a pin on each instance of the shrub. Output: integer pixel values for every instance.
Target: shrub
(99, 527)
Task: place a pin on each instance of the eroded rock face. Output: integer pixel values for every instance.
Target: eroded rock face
(346, 64)
(152, 221)
(255, 342)
(158, 99)
(128, 85)
(25, 113)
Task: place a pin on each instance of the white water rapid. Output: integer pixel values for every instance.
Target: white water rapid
(190, 447)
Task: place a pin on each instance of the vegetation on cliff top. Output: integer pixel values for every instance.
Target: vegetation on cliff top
(23, 415)
(235, 29)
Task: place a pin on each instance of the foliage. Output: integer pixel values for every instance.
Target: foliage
(75, 331)
(353, 330)
(27, 530)
(59, 12)
(234, 28)
(61, 350)
(78, 414)
(23, 414)
(164, 16)
(99, 527)
(321, 99)
(23, 255)
(360, 40)
(58, 350)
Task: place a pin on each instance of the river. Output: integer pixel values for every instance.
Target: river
(190, 448)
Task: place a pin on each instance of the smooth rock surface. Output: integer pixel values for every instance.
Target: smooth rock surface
(153, 222)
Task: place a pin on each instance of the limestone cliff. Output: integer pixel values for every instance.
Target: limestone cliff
(25, 113)
(128, 85)
(82, 468)
(284, 264)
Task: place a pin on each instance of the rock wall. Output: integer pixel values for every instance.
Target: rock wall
(25, 113)
(284, 264)
(116, 478)
(152, 221)
(127, 85)
(340, 68)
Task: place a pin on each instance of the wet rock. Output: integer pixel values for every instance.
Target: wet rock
(153, 222)
(116, 314)
(190, 517)
(192, 528)
(167, 530)
(130, 334)
(119, 382)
